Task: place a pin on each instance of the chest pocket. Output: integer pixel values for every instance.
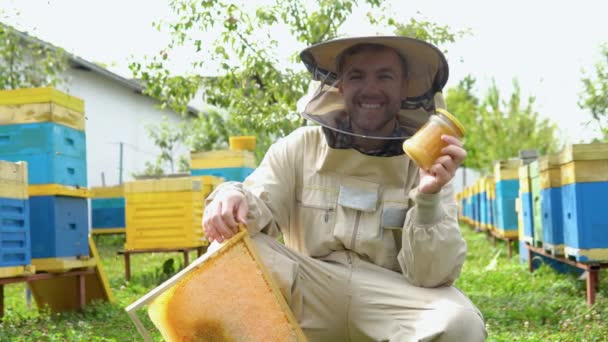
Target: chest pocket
(395, 205)
(315, 219)
(357, 214)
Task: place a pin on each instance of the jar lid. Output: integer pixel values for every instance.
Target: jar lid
(452, 118)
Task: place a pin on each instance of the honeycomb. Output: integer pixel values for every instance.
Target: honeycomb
(229, 297)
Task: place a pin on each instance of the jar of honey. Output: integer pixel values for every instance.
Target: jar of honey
(426, 145)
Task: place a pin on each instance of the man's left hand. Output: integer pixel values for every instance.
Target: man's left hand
(444, 168)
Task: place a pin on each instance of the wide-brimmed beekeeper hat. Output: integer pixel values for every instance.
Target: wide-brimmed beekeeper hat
(426, 74)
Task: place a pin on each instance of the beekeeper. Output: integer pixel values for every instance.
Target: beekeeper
(371, 242)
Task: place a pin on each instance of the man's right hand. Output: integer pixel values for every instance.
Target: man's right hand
(223, 215)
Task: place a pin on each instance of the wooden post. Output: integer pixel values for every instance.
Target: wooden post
(82, 291)
(591, 279)
(530, 255)
(127, 266)
(1, 301)
(186, 257)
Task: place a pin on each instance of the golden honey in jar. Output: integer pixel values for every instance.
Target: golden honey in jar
(425, 146)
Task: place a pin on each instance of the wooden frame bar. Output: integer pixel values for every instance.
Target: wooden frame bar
(241, 236)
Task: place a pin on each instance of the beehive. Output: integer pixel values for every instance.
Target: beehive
(60, 227)
(15, 250)
(551, 204)
(491, 203)
(484, 203)
(166, 213)
(108, 209)
(584, 176)
(525, 196)
(506, 176)
(232, 165)
(475, 205)
(221, 297)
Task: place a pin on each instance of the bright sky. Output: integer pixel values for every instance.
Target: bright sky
(545, 44)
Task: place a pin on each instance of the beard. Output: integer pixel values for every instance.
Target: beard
(373, 122)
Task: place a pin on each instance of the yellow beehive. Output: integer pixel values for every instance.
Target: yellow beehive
(221, 297)
(506, 169)
(166, 213)
(222, 159)
(33, 105)
(13, 180)
(242, 143)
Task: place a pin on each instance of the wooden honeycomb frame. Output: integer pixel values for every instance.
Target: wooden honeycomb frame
(208, 327)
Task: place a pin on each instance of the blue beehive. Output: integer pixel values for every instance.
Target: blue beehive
(552, 218)
(42, 138)
(585, 221)
(475, 206)
(506, 176)
(483, 210)
(59, 226)
(526, 207)
(55, 154)
(506, 216)
(108, 209)
(108, 212)
(14, 232)
(584, 179)
(550, 205)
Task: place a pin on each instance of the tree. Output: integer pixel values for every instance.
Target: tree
(167, 137)
(257, 95)
(499, 129)
(594, 97)
(26, 62)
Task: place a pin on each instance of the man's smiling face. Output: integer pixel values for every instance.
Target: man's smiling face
(373, 84)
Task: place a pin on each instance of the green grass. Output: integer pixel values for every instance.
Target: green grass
(517, 305)
(521, 306)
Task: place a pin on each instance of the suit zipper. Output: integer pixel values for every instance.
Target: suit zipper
(355, 230)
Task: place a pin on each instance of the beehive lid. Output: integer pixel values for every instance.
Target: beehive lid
(573, 152)
(221, 297)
